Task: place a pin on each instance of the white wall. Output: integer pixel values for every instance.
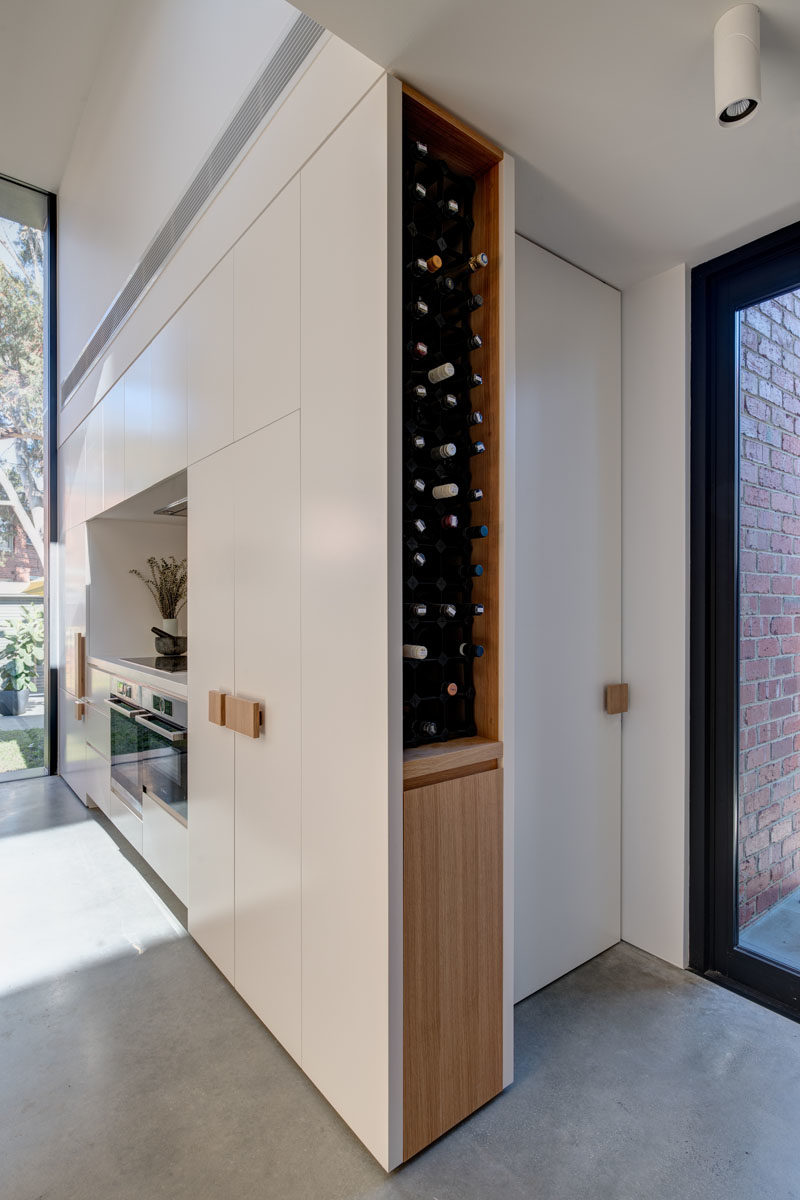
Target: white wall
(655, 428)
(171, 75)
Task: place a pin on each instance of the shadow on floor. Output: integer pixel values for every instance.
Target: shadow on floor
(134, 1071)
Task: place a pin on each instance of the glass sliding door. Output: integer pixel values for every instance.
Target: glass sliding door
(25, 383)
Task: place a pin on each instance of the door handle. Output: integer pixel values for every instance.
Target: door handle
(616, 699)
(216, 707)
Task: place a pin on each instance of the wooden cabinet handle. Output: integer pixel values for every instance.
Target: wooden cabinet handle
(243, 716)
(216, 707)
(616, 699)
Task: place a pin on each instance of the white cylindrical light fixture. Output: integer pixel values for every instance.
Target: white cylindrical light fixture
(737, 65)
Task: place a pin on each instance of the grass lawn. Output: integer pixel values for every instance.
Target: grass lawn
(21, 748)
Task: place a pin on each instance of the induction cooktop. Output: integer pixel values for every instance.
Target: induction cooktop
(170, 665)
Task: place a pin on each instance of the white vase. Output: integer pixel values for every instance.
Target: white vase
(169, 625)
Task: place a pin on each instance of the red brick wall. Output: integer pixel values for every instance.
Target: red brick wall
(769, 762)
(22, 563)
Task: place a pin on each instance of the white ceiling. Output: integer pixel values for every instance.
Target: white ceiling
(608, 107)
(49, 52)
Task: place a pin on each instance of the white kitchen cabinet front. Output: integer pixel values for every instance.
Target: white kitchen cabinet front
(267, 810)
(209, 340)
(168, 378)
(210, 552)
(71, 745)
(138, 424)
(113, 406)
(267, 315)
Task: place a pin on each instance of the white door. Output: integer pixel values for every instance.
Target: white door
(568, 617)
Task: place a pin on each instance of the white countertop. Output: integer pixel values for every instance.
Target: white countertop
(174, 683)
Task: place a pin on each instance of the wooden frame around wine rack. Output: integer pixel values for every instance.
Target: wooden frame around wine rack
(453, 794)
(468, 152)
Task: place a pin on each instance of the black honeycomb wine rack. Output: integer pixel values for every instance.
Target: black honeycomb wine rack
(445, 529)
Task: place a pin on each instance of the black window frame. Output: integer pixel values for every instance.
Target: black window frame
(758, 271)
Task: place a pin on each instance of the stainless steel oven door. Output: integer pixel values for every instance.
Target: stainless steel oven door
(163, 762)
(126, 748)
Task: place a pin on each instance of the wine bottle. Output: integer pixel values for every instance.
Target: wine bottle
(418, 558)
(474, 494)
(443, 371)
(417, 349)
(476, 531)
(417, 191)
(417, 307)
(413, 651)
(418, 441)
(444, 491)
(461, 340)
(468, 266)
(424, 266)
(417, 525)
(424, 729)
(450, 521)
(450, 688)
(470, 650)
(445, 451)
(475, 417)
(418, 485)
(476, 448)
(444, 283)
(417, 610)
(447, 610)
(464, 302)
(418, 391)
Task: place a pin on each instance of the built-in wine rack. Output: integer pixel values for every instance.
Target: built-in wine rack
(449, 517)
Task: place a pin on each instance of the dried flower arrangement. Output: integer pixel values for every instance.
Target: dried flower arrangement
(167, 584)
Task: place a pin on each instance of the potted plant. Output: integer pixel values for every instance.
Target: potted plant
(167, 585)
(20, 659)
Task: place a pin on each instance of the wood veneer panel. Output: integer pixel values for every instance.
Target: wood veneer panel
(486, 468)
(452, 953)
(423, 761)
(463, 148)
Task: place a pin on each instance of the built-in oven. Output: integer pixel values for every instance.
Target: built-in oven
(148, 747)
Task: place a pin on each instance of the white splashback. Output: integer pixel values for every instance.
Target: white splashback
(121, 609)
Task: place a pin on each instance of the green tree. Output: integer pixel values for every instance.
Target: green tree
(22, 374)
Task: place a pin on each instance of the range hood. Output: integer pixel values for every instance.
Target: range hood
(176, 509)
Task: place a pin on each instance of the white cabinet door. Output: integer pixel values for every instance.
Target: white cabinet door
(94, 462)
(138, 424)
(567, 761)
(164, 846)
(267, 624)
(71, 746)
(72, 479)
(266, 308)
(209, 335)
(113, 406)
(211, 760)
(168, 367)
(97, 777)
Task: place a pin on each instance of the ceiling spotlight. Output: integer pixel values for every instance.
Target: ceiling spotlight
(737, 64)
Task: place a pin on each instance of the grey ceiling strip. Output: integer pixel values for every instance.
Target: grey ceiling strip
(290, 55)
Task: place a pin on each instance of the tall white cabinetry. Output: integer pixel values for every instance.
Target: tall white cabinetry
(274, 383)
(244, 628)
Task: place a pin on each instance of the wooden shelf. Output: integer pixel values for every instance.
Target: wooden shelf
(450, 760)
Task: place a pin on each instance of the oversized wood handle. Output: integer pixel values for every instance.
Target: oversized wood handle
(616, 701)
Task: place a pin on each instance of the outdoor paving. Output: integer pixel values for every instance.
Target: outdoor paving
(776, 935)
(32, 718)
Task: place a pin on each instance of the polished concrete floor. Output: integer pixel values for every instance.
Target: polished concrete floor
(130, 1070)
